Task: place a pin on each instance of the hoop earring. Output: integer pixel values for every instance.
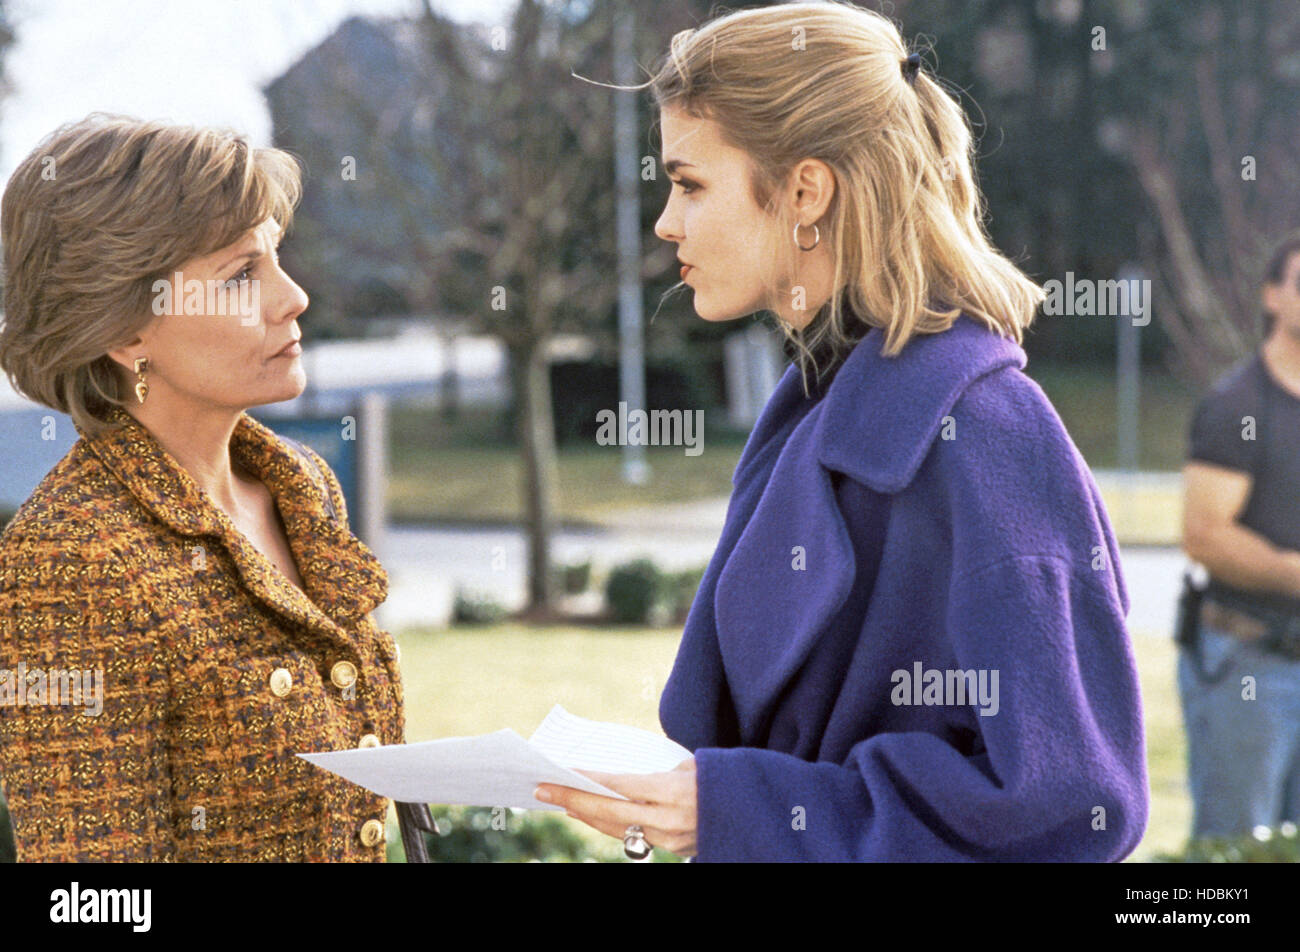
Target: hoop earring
(141, 385)
(817, 237)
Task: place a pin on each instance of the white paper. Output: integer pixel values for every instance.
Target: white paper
(580, 744)
(503, 769)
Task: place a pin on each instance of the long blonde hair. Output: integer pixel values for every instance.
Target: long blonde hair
(905, 226)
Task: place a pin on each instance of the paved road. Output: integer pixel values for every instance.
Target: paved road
(427, 564)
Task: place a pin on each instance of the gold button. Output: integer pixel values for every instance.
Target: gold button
(372, 833)
(281, 682)
(343, 674)
(370, 740)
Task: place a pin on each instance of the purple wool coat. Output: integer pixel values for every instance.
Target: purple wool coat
(919, 517)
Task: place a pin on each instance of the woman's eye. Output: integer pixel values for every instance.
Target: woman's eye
(686, 186)
(243, 274)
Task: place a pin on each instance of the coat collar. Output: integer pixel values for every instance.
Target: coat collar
(881, 414)
(343, 578)
(875, 421)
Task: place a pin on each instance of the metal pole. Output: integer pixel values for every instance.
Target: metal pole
(631, 352)
(1128, 357)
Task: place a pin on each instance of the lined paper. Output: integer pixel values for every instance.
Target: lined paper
(581, 744)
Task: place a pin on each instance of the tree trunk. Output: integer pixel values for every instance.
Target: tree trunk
(449, 395)
(537, 444)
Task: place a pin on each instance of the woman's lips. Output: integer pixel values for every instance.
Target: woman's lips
(293, 350)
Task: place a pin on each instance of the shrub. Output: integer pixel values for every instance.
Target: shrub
(574, 579)
(636, 592)
(681, 587)
(581, 389)
(476, 608)
(1264, 845)
(497, 835)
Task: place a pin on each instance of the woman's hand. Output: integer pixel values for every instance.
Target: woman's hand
(662, 804)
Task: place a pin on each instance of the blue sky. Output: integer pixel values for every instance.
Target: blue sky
(194, 61)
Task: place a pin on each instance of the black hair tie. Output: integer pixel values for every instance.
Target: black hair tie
(911, 66)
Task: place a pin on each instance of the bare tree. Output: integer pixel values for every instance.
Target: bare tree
(513, 225)
(483, 186)
(531, 199)
(1211, 100)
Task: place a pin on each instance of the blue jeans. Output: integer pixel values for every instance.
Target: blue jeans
(1243, 756)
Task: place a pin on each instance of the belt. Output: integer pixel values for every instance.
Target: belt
(1281, 637)
(1238, 624)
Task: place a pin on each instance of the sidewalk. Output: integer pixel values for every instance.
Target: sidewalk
(426, 565)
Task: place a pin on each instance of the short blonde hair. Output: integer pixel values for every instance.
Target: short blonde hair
(92, 217)
(825, 81)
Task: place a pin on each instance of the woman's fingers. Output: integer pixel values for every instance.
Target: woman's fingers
(613, 817)
(606, 809)
(649, 788)
(662, 804)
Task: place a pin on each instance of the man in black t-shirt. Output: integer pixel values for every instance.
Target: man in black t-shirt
(1239, 681)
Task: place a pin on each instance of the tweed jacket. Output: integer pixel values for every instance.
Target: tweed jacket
(216, 670)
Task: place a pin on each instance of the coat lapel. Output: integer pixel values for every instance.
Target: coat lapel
(793, 566)
(883, 413)
(790, 569)
(343, 578)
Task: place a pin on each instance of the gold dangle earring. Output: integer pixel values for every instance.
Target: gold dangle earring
(141, 385)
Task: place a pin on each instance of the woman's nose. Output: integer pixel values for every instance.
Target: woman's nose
(291, 300)
(663, 229)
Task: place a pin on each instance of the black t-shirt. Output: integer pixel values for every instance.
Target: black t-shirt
(1222, 434)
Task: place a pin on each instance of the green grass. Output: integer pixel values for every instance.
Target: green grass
(1085, 398)
(467, 472)
(1170, 820)
(474, 680)
(1144, 515)
(461, 682)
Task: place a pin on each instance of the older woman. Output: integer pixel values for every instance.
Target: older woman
(910, 642)
(181, 555)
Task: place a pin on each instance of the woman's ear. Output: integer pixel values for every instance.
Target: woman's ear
(126, 354)
(812, 186)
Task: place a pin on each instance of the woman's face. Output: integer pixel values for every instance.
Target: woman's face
(727, 240)
(224, 320)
